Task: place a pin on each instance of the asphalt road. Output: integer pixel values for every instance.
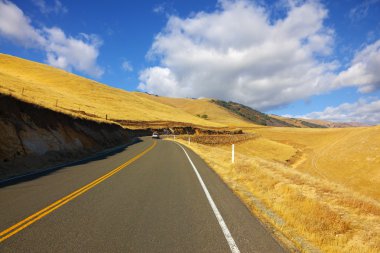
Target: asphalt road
(155, 204)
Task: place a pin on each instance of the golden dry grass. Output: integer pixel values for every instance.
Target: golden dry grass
(48, 87)
(313, 213)
(219, 139)
(267, 149)
(349, 156)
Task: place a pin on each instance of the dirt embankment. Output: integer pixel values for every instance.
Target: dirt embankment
(33, 137)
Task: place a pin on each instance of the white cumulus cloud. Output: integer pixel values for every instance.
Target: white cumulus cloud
(16, 26)
(157, 75)
(238, 53)
(364, 70)
(364, 111)
(62, 51)
(73, 53)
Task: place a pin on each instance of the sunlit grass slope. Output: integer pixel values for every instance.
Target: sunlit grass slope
(63, 91)
(349, 156)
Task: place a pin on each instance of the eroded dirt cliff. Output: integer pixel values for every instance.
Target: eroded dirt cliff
(32, 137)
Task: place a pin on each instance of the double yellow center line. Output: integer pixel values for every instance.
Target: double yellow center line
(57, 204)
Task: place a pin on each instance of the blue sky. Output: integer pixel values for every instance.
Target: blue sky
(315, 59)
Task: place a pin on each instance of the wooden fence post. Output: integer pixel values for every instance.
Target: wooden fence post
(233, 153)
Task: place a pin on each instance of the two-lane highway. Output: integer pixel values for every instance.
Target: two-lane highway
(150, 197)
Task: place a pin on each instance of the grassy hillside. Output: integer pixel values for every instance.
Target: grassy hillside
(301, 122)
(260, 118)
(349, 156)
(330, 124)
(316, 123)
(63, 91)
(203, 108)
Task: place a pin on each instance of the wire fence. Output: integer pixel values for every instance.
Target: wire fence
(54, 103)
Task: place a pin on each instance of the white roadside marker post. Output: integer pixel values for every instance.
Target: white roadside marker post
(189, 140)
(233, 153)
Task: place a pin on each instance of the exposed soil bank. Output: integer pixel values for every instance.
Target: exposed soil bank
(33, 137)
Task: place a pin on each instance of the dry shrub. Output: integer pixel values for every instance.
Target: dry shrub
(362, 206)
(219, 139)
(321, 219)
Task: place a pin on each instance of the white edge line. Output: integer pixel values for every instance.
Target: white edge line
(223, 226)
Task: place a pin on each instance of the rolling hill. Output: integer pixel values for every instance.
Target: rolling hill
(203, 108)
(260, 118)
(65, 92)
(62, 91)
